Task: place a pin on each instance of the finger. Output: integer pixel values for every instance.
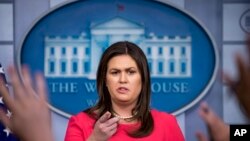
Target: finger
(6, 97)
(113, 131)
(242, 69)
(17, 86)
(231, 84)
(111, 121)
(207, 114)
(201, 137)
(4, 119)
(203, 111)
(105, 117)
(3, 80)
(41, 88)
(27, 82)
(228, 80)
(112, 127)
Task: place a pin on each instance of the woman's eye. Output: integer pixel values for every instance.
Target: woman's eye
(114, 72)
(131, 72)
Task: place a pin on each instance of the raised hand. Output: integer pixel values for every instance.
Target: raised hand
(241, 87)
(104, 128)
(218, 130)
(30, 119)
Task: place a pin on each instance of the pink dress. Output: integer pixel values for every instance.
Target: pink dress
(166, 128)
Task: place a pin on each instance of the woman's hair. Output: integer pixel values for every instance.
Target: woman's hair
(142, 107)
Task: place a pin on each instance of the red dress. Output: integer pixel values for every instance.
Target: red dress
(166, 128)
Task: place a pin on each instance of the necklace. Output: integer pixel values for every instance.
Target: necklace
(123, 117)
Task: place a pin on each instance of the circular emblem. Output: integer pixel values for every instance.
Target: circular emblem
(245, 21)
(67, 42)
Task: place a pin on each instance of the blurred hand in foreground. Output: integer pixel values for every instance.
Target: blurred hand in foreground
(30, 120)
(218, 130)
(241, 86)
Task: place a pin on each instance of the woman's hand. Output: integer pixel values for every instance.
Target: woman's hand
(104, 128)
(30, 119)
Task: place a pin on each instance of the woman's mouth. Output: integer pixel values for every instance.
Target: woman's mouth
(122, 90)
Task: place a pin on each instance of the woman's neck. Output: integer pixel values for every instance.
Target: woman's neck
(123, 110)
(124, 113)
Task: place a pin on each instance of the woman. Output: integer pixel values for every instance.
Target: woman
(123, 111)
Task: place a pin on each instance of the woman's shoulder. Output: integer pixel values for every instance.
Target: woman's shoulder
(163, 116)
(82, 117)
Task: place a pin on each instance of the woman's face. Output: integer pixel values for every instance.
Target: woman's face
(123, 80)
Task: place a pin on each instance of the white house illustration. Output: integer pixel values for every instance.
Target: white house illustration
(78, 56)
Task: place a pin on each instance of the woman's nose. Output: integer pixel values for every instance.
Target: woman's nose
(123, 78)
